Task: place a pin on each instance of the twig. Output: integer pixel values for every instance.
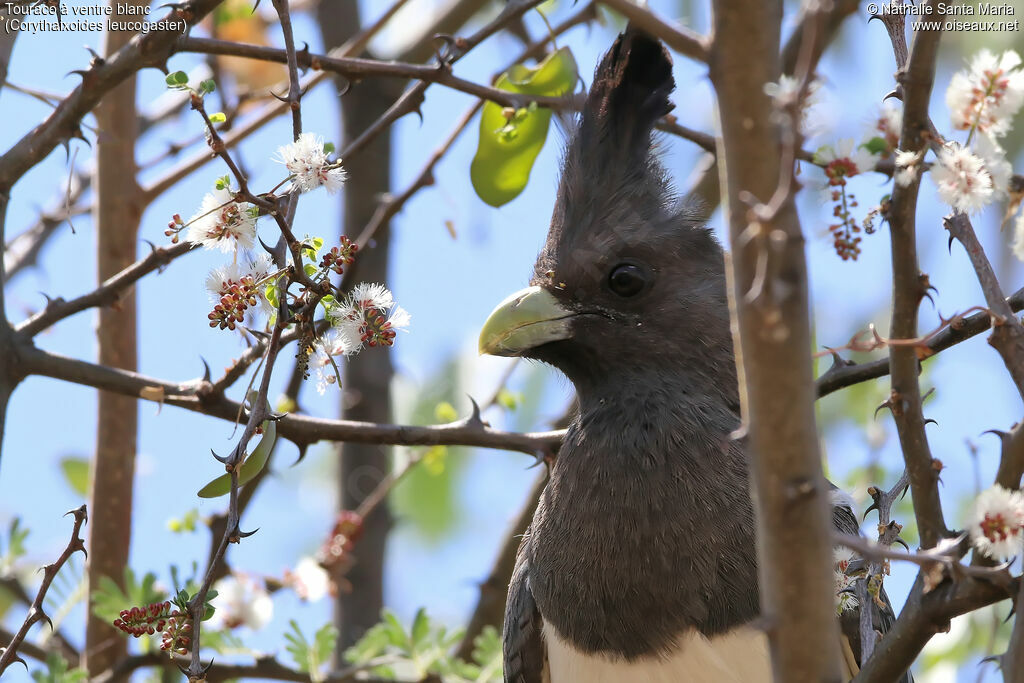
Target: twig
(355, 68)
(145, 50)
(909, 288)
(35, 612)
(1008, 333)
(846, 373)
(682, 40)
(104, 295)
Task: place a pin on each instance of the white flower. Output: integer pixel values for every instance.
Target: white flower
(242, 601)
(784, 95)
(994, 156)
(961, 178)
(309, 580)
(908, 165)
(845, 598)
(220, 280)
(784, 92)
(988, 94)
(997, 523)
(845, 160)
(367, 295)
(326, 352)
(890, 124)
(306, 160)
(368, 315)
(222, 223)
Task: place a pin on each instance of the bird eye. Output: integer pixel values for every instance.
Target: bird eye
(627, 279)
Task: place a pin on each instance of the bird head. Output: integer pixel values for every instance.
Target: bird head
(627, 281)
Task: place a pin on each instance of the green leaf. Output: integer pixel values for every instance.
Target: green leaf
(252, 465)
(327, 301)
(509, 400)
(271, 293)
(445, 412)
(328, 148)
(176, 79)
(108, 599)
(223, 182)
(420, 627)
(434, 459)
(876, 145)
(218, 117)
(310, 657)
(16, 536)
(310, 269)
(207, 87)
(76, 473)
(510, 141)
(58, 671)
(185, 524)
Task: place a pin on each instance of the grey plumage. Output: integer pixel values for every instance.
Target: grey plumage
(645, 530)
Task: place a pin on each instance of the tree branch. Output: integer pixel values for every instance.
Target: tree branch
(771, 328)
(301, 429)
(909, 288)
(36, 614)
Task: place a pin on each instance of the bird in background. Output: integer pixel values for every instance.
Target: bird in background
(640, 564)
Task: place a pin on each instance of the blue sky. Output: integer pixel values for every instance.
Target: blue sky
(449, 285)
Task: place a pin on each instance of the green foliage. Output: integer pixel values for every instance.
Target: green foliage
(426, 498)
(185, 524)
(509, 400)
(218, 117)
(16, 535)
(225, 642)
(207, 87)
(876, 145)
(510, 140)
(108, 599)
(311, 657)
(445, 412)
(423, 650)
(76, 473)
(177, 80)
(251, 466)
(57, 671)
(328, 148)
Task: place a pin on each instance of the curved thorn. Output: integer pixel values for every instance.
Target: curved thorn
(209, 664)
(474, 418)
(303, 448)
(223, 461)
(901, 542)
(206, 370)
(884, 404)
(247, 534)
(276, 417)
(929, 420)
(873, 506)
(893, 94)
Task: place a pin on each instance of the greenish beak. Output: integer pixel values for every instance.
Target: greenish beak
(523, 321)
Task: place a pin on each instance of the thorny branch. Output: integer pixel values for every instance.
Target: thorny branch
(36, 614)
(909, 287)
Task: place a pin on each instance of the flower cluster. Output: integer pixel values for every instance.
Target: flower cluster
(368, 316)
(306, 160)
(982, 99)
(242, 601)
(840, 163)
(997, 523)
(846, 599)
(338, 257)
(961, 178)
(223, 223)
(158, 617)
(309, 580)
(348, 527)
(986, 96)
(234, 290)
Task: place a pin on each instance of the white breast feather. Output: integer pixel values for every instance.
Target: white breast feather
(739, 656)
